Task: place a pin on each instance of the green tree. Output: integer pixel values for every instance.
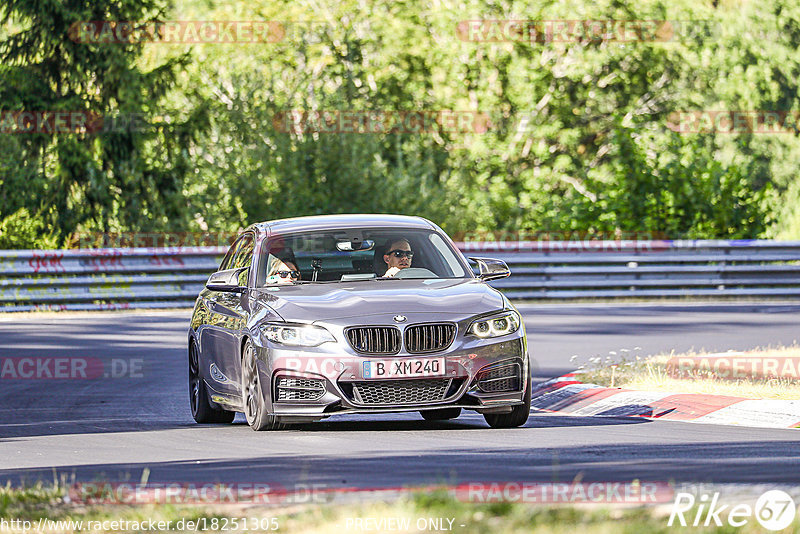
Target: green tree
(583, 104)
(580, 136)
(119, 178)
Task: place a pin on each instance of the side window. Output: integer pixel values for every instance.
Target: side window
(226, 261)
(240, 254)
(243, 257)
(455, 269)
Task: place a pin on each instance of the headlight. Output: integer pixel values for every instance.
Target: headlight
(297, 336)
(499, 325)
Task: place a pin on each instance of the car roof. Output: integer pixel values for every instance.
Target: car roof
(327, 222)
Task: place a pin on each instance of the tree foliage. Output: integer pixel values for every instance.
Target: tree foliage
(119, 177)
(579, 137)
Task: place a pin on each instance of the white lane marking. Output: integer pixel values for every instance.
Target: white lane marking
(764, 413)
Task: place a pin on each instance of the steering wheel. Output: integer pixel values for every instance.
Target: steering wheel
(415, 272)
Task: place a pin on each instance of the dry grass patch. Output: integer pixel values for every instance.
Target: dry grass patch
(733, 374)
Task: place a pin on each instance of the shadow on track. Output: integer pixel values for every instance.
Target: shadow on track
(734, 462)
(467, 421)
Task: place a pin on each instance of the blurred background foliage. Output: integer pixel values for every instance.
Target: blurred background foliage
(579, 140)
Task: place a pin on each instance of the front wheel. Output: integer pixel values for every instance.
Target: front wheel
(202, 412)
(518, 415)
(255, 410)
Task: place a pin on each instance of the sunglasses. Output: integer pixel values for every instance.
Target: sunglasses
(284, 274)
(400, 253)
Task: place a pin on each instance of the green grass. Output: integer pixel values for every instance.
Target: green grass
(40, 501)
(28, 502)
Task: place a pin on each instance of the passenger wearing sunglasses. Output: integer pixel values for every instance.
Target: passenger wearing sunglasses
(397, 256)
(283, 272)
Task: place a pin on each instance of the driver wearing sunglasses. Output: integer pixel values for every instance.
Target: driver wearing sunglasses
(283, 272)
(397, 256)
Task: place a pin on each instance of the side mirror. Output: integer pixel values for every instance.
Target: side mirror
(491, 269)
(228, 280)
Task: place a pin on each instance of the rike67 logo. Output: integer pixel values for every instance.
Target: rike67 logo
(774, 510)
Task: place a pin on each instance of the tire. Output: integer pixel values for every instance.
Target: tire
(441, 414)
(252, 394)
(202, 412)
(518, 415)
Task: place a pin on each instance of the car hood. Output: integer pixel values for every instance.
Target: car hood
(327, 301)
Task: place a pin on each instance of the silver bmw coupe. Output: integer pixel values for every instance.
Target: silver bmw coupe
(317, 316)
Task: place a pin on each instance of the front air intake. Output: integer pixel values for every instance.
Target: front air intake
(434, 337)
(374, 339)
(501, 378)
(292, 389)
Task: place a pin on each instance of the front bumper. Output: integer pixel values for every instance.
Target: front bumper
(308, 385)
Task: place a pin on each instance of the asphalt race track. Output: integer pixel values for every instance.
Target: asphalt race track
(113, 427)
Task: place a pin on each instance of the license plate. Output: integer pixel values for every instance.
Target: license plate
(406, 368)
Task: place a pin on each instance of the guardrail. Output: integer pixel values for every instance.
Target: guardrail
(104, 279)
(91, 279)
(647, 269)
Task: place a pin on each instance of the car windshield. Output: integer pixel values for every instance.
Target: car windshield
(358, 254)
